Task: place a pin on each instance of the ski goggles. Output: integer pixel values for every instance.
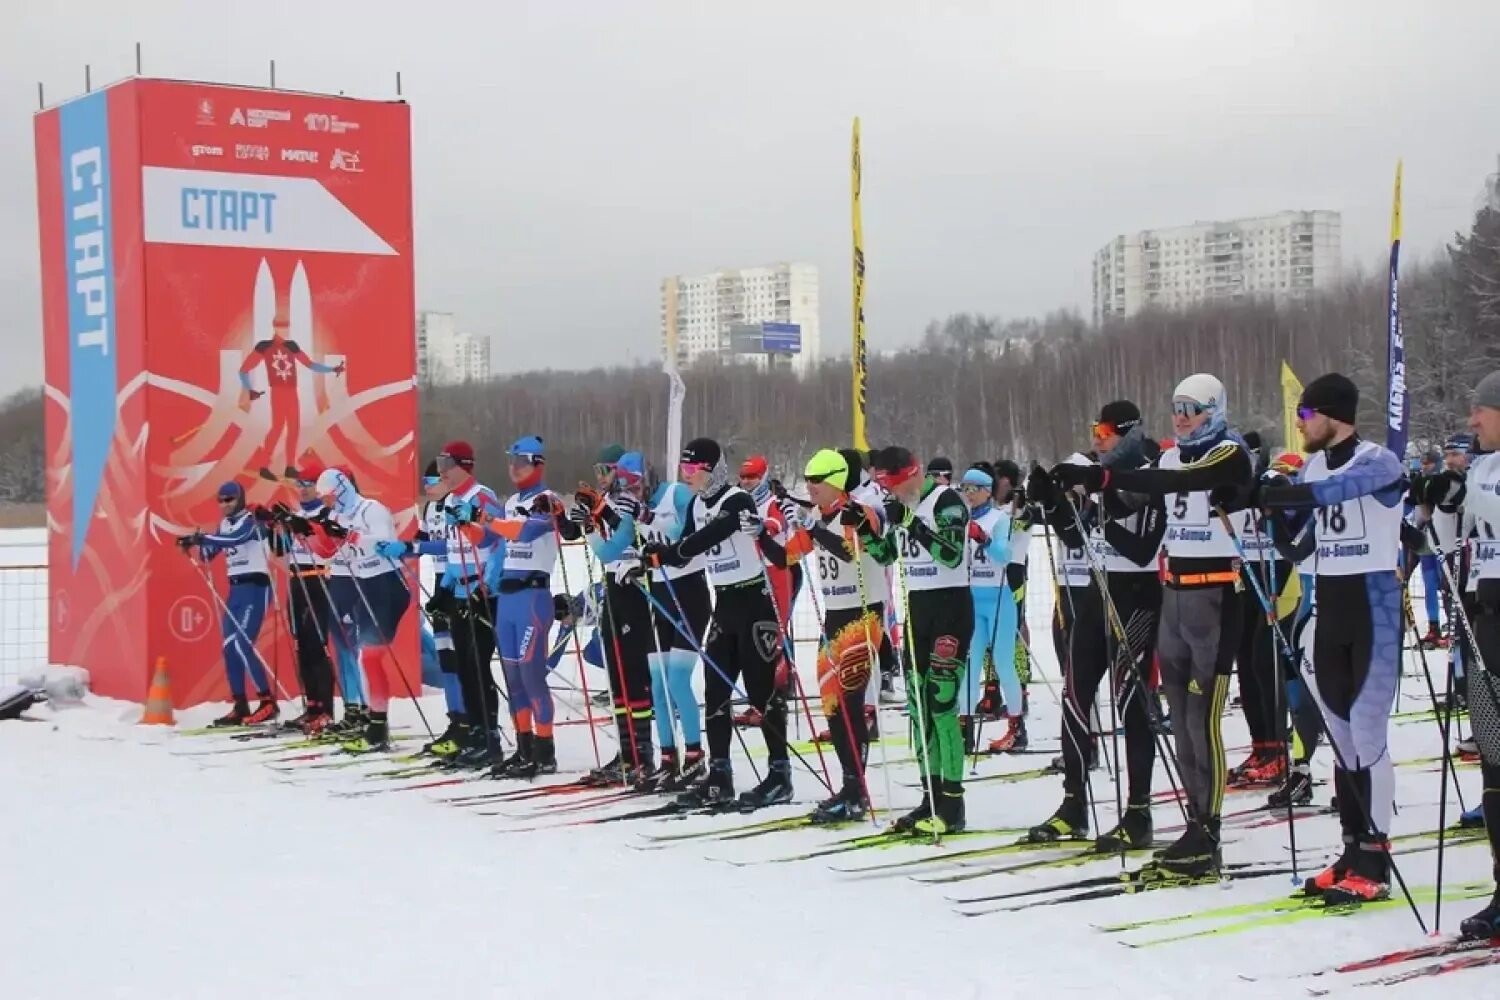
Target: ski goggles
(1187, 407)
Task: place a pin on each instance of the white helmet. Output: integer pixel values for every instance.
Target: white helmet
(1203, 389)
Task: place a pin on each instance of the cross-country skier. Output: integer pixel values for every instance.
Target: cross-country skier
(1200, 616)
(1479, 496)
(532, 523)
(932, 524)
(682, 604)
(1352, 490)
(307, 598)
(1123, 534)
(744, 639)
(994, 637)
(608, 517)
(852, 597)
(239, 538)
(381, 595)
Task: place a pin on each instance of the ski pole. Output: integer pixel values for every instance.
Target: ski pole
(482, 671)
(864, 603)
(281, 620)
(1270, 609)
(1269, 566)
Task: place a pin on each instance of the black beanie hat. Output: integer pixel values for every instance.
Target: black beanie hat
(940, 466)
(704, 451)
(1332, 395)
(1122, 415)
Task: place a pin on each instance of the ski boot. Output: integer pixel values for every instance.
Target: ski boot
(1334, 873)
(317, 726)
(235, 717)
(847, 806)
(654, 778)
(715, 791)
(299, 724)
(1015, 728)
(1271, 770)
(611, 772)
(1484, 924)
(1297, 790)
(450, 741)
(1069, 822)
(948, 817)
(1473, 819)
(908, 824)
(1132, 833)
(520, 765)
(1194, 855)
(1238, 775)
(750, 718)
(990, 706)
(266, 711)
(1368, 878)
(375, 738)
(482, 750)
(1433, 639)
(356, 717)
(692, 769)
(1468, 749)
(775, 790)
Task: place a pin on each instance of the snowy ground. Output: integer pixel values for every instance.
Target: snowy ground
(141, 863)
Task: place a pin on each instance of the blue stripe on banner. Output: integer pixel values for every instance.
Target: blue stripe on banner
(84, 130)
(1396, 419)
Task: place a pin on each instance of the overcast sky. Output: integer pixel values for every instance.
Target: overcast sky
(568, 155)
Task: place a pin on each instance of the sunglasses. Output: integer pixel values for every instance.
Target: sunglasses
(426, 481)
(692, 468)
(1306, 413)
(524, 458)
(971, 488)
(1100, 430)
(1187, 407)
(307, 484)
(229, 499)
(603, 468)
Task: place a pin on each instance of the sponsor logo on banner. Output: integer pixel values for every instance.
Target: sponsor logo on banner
(299, 156)
(346, 160)
(251, 151)
(316, 121)
(258, 117)
(199, 150)
(214, 208)
(205, 112)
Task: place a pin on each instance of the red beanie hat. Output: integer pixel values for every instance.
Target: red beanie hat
(462, 453)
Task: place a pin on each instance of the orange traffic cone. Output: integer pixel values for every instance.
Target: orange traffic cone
(159, 698)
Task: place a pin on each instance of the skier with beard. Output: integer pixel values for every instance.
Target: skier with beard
(1124, 532)
(931, 522)
(1201, 615)
(1352, 492)
(744, 640)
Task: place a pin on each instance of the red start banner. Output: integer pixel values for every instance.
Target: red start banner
(227, 295)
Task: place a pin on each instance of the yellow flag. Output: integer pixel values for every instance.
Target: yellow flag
(1291, 392)
(860, 369)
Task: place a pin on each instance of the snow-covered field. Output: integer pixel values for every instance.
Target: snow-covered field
(139, 862)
